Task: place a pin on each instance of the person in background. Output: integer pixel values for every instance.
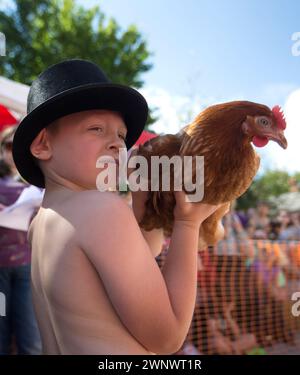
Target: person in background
(275, 230)
(235, 236)
(284, 220)
(228, 338)
(19, 321)
(259, 222)
(291, 227)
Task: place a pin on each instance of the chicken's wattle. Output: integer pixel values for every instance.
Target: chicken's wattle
(259, 141)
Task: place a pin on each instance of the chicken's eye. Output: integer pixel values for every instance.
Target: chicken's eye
(263, 121)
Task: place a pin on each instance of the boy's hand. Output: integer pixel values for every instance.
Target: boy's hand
(193, 213)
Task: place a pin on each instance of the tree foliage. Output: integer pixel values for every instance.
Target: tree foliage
(270, 184)
(40, 33)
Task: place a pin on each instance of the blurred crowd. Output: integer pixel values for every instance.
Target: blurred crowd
(262, 223)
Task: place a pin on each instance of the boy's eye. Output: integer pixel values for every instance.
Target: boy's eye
(122, 136)
(98, 129)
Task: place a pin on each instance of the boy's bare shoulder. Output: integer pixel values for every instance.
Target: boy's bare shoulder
(93, 203)
(97, 216)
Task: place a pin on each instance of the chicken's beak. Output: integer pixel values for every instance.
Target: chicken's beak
(278, 137)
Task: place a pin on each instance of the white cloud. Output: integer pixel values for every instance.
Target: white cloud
(275, 93)
(169, 109)
(289, 159)
(175, 111)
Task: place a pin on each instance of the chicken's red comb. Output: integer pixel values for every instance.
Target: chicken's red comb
(279, 117)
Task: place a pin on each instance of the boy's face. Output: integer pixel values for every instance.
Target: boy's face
(78, 140)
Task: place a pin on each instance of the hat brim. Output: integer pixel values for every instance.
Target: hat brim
(125, 100)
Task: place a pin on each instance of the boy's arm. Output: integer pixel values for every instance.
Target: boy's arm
(156, 308)
(154, 239)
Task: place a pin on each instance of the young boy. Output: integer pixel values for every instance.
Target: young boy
(96, 286)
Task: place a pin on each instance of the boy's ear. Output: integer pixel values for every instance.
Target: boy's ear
(41, 147)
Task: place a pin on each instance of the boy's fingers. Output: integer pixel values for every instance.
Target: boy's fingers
(180, 196)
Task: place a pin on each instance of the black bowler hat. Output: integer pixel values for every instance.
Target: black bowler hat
(68, 87)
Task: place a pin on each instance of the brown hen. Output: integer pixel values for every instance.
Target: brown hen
(223, 134)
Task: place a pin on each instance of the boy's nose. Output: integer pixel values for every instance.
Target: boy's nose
(116, 143)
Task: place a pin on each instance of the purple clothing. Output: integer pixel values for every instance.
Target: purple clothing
(243, 219)
(268, 274)
(14, 247)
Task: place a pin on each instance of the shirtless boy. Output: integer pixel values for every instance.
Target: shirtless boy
(96, 286)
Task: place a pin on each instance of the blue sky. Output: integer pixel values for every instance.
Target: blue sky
(227, 48)
(206, 52)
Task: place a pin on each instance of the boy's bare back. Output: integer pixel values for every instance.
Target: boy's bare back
(75, 313)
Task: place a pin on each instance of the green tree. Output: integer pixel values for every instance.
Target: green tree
(297, 178)
(43, 32)
(271, 183)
